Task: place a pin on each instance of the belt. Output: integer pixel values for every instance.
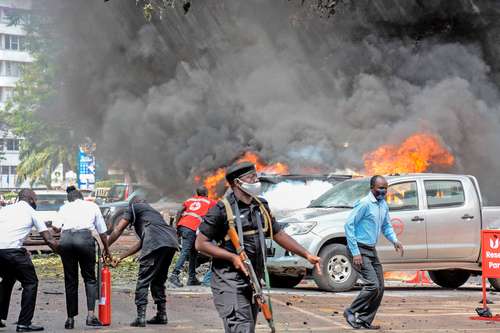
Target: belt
(245, 233)
(366, 247)
(76, 230)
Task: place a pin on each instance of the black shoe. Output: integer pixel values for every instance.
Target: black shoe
(159, 319)
(367, 326)
(2, 325)
(93, 321)
(193, 282)
(69, 324)
(175, 281)
(351, 319)
(28, 328)
(161, 315)
(140, 321)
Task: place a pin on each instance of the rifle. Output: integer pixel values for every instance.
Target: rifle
(258, 294)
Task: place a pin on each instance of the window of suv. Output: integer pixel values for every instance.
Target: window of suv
(444, 193)
(402, 196)
(343, 195)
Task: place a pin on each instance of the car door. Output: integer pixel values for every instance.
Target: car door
(453, 219)
(404, 201)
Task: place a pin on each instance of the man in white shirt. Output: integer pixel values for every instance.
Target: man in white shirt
(77, 219)
(16, 222)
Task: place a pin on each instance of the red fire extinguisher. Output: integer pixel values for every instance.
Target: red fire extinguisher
(104, 290)
(105, 300)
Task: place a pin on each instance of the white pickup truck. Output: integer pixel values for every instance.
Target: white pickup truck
(437, 217)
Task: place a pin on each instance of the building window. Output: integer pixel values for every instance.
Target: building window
(15, 16)
(12, 145)
(5, 169)
(12, 68)
(2, 145)
(6, 93)
(13, 170)
(14, 42)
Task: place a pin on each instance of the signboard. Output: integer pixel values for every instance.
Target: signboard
(490, 245)
(86, 167)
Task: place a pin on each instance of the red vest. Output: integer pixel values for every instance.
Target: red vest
(194, 210)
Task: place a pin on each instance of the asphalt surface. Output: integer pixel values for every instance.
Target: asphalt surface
(405, 308)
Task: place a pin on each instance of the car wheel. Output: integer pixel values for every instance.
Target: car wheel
(495, 283)
(337, 271)
(450, 279)
(284, 281)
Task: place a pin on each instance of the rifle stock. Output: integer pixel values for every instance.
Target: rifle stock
(254, 281)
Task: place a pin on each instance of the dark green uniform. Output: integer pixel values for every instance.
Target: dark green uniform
(231, 290)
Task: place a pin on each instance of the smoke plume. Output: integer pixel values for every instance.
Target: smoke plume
(180, 96)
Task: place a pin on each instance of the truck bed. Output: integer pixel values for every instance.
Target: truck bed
(491, 217)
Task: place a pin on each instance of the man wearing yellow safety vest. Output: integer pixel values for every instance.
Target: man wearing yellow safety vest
(239, 223)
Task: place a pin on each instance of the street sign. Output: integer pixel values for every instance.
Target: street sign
(490, 263)
(86, 168)
(490, 245)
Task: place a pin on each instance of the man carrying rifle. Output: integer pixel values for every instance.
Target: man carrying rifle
(237, 296)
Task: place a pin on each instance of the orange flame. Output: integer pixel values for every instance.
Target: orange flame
(216, 180)
(417, 153)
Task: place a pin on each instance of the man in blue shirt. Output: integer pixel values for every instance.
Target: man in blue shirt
(368, 219)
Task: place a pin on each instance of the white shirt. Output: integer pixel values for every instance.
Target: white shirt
(80, 214)
(16, 222)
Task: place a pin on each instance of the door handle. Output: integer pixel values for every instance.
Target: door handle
(467, 217)
(417, 219)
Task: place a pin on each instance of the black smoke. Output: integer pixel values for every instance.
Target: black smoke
(186, 94)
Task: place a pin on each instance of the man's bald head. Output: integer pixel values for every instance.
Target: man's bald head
(27, 195)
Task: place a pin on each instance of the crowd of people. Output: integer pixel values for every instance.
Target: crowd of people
(203, 226)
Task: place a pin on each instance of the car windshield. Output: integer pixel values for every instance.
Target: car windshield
(117, 193)
(343, 195)
(50, 202)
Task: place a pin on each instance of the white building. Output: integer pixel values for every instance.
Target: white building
(12, 56)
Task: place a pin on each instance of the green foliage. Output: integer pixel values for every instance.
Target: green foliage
(47, 141)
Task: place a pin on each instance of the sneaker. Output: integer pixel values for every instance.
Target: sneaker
(175, 281)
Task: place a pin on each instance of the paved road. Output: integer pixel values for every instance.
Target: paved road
(404, 309)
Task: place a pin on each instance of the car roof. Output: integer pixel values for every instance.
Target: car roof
(417, 175)
(49, 192)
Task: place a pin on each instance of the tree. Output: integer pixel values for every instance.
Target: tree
(152, 7)
(46, 142)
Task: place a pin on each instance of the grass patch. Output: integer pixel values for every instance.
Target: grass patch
(49, 266)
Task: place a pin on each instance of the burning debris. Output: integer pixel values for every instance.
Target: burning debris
(418, 153)
(216, 183)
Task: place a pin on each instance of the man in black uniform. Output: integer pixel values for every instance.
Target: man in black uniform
(231, 290)
(158, 243)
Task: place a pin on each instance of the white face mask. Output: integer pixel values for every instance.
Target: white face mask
(252, 189)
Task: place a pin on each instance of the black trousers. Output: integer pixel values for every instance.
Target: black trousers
(236, 309)
(153, 272)
(77, 248)
(16, 265)
(366, 304)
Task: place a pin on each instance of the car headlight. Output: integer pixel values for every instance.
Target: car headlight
(299, 228)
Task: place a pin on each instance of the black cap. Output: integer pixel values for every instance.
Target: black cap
(239, 169)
